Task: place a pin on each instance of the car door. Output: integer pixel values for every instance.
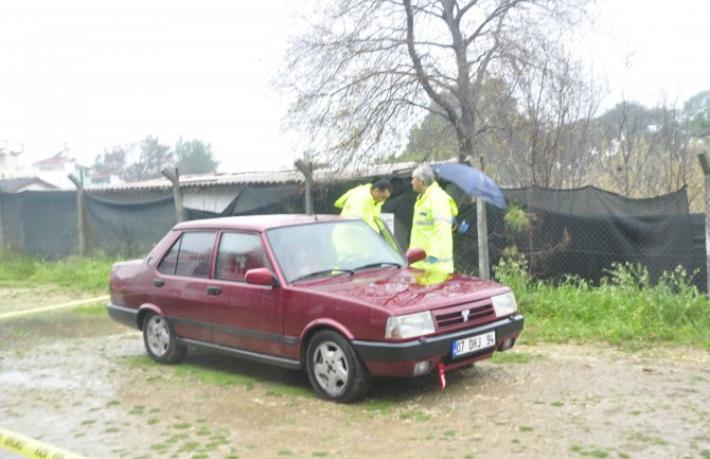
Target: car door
(181, 282)
(246, 316)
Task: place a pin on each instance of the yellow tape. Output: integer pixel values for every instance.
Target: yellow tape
(53, 307)
(33, 449)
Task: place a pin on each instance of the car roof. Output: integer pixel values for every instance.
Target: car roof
(256, 222)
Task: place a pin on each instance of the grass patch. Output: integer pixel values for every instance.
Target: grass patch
(626, 308)
(593, 452)
(514, 357)
(84, 274)
(214, 377)
(415, 415)
(281, 390)
(379, 406)
(647, 439)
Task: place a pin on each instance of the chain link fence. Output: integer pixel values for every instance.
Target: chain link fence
(574, 232)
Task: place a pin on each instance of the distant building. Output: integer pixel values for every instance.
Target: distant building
(55, 170)
(11, 164)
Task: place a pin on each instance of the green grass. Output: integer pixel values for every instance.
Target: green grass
(624, 309)
(83, 274)
(214, 377)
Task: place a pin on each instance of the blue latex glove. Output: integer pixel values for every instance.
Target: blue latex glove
(463, 227)
(432, 259)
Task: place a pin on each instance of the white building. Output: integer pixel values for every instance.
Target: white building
(11, 164)
(55, 170)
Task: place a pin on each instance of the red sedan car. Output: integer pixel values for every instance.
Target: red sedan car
(317, 292)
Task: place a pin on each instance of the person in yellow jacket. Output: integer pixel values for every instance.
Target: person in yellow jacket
(365, 201)
(434, 213)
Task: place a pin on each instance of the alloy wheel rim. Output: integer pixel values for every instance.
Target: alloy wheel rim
(330, 368)
(158, 336)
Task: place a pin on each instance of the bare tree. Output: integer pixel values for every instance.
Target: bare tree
(369, 67)
(557, 104)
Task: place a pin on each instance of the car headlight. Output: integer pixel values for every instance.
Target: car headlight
(504, 305)
(410, 325)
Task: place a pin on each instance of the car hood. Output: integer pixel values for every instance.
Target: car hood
(406, 290)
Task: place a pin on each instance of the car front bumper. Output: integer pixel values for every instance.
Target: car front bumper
(399, 359)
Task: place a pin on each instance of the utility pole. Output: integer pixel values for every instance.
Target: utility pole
(482, 230)
(705, 165)
(174, 176)
(80, 214)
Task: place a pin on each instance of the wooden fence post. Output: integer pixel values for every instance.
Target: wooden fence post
(2, 220)
(484, 270)
(80, 215)
(306, 169)
(705, 164)
(174, 176)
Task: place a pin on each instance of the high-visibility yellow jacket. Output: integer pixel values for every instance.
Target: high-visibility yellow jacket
(434, 213)
(358, 202)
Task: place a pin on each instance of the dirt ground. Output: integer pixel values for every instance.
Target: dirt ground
(83, 383)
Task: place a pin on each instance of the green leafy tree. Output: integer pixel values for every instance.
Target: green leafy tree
(111, 162)
(195, 157)
(697, 111)
(154, 157)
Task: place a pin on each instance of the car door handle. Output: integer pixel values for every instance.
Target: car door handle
(158, 282)
(214, 290)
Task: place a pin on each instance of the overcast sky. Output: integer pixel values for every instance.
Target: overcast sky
(96, 73)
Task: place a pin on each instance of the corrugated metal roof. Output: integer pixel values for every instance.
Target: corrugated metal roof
(12, 185)
(263, 178)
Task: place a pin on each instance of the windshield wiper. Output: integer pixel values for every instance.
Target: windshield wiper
(332, 271)
(379, 264)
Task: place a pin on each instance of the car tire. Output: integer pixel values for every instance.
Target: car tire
(334, 369)
(160, 340)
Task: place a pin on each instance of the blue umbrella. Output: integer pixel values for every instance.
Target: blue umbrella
(471, 181)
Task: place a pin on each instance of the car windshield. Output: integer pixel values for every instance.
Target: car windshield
(330, 248)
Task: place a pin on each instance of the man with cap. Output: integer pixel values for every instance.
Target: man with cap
(434, 213)
(365, 201)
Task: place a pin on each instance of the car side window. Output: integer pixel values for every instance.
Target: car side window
(195, 253)
(238, 253)
(169, 262)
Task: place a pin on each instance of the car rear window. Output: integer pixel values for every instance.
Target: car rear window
(238, 253)
(190, 255)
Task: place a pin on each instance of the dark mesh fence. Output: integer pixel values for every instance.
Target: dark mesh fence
(586, 244)
(42, 223)
(128, 228)
(579, 232)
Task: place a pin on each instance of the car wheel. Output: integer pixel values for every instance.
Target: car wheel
(160, 340)
(334, 369)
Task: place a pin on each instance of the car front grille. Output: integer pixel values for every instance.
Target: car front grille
(454, 317)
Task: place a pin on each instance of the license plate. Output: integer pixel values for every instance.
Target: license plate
(472, 344)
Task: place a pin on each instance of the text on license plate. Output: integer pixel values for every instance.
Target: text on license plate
(472, 344)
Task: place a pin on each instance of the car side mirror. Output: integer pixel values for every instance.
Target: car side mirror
(415, 254)
(261, 276)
